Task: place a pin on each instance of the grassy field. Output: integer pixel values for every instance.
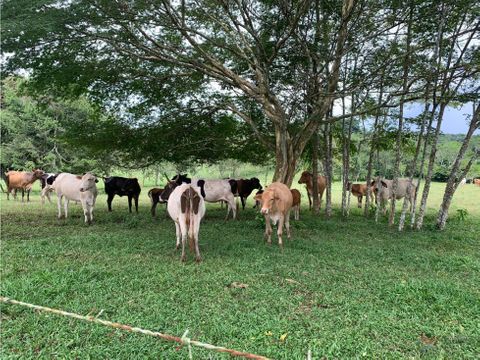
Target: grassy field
(343, 289)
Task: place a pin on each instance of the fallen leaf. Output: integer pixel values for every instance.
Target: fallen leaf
(268, 333)
(428, 340)
(283, 337)
(238, 285)
(291, 281)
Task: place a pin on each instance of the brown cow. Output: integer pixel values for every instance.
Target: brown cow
(296, 203)
(360, 190)
(476, 182)
(276, 203)
(22, 180)
(307, 179)
(154, 195)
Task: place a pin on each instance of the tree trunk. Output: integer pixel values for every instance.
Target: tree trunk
(316, 202)
(285, 156)
(373, 146)
(453, 179)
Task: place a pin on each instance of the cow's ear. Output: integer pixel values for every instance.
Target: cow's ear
(183, 203)
(384, 184)
(196, 203)
(96, 180)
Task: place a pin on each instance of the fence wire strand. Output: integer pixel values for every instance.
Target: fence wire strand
(184, 340)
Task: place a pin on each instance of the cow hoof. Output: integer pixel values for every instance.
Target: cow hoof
(183, 258)
(198, 259)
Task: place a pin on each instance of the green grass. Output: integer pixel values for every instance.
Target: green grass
(344, 289)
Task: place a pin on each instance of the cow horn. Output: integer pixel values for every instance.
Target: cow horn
(167, 177)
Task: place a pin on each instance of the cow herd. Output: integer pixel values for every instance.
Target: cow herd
(185, 197)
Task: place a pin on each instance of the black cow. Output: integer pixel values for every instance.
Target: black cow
(245, 188)
(116, 185)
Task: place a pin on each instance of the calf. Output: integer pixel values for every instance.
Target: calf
(116, 185)
(186, 207)
(360, 190)
(296, 197)
(385, 191)
(476, 182)
(154, 195)
(76, 188)
(276, 203)
(307, 179)
(211, 190)
(22, 180)
(46, 182)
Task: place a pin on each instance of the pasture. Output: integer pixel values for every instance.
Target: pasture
(341, 288)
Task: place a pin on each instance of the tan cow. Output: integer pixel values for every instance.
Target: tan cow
(22, 180)
(276, 203)
(360, 190)
(76, 188)
(296, 196)
(476, 182)
(307, 179)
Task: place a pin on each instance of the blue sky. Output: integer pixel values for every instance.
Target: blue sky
(455, 120)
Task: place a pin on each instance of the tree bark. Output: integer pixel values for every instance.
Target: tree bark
(453, 180)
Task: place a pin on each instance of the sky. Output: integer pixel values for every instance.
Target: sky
(455, 120)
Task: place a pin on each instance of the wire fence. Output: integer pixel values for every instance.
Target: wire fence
(184, 340)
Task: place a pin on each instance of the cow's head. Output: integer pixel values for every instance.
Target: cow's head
(305, 178)
(255, 183)
(373, 185)
(38, 174)
(267, 201)
(171, 185)
(88, 182)
(348, 186)
(181, 178)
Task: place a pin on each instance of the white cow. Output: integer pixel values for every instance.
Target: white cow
(76, 188)
(385, 191)
(463, 182)
(186, 207)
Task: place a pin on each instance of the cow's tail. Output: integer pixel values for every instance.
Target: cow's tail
(191, 226)
(150, 195)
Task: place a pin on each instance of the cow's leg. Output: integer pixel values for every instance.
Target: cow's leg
(65, 207)
(268, 229)
(109, 201)
(130, 204)
(297, 212)
(184, 231)
(135, 198)
(154, 207)
(309, 200)
(196, 230)
(28, 195)
(8, 192)
(281, 222)
(86, 211)
(178, 233)
(244, 201)
(59, 205)
(23, 194)
(287, 223)
(360, 197)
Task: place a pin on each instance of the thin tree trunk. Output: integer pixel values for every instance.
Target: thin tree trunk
(316, 202)
(413, 167)
(453, 182)
(372, 148)
(398, 155)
